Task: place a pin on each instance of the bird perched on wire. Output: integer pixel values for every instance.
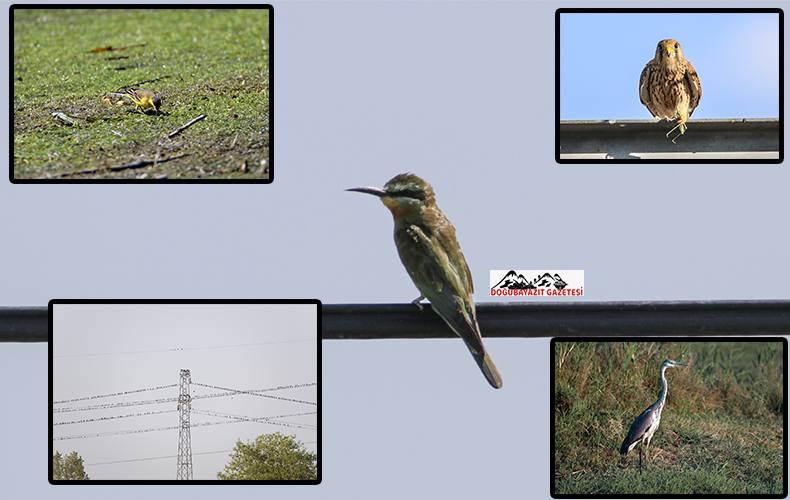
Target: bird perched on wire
(645, 425)
(143, 99)
(669, 86)
(431, 254)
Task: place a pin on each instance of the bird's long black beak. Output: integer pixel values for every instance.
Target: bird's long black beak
(370, 190)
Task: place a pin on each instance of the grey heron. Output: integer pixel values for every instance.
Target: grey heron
(645, 425)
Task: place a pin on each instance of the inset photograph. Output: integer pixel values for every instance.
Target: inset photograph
(691, 85)
(184, 392)
(141, 95)
(669, 417)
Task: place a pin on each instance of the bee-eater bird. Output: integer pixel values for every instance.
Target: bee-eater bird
(430, 253)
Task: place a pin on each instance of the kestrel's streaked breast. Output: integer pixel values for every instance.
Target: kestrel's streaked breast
(669, 86)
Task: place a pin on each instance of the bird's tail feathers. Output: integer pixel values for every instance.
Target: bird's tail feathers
(463, 322)
(489, 369)
(624, 449)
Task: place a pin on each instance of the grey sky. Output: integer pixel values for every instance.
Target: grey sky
(107, 349)
(463, 94)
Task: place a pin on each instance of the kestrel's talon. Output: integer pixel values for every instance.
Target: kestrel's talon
(669, 85)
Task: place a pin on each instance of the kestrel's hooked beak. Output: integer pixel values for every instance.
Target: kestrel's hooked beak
(670, 49)
(370, 190)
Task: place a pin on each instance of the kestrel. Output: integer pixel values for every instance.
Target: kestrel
(669, 86)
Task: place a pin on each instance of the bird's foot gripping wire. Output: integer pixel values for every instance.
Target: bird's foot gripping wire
(416, 301)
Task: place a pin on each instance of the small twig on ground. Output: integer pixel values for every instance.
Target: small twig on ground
(137, 84)
(118, 168)
(173, 134)
(104, 49)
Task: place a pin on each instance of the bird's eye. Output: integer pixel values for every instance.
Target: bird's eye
(676, 45)
(407, 193)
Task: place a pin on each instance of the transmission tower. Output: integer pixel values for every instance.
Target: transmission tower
(184, 441)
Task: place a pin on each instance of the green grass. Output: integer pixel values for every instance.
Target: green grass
(212, 62)
(721, 430)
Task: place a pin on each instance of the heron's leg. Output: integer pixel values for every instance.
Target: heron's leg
(648, 444)
(641, 445)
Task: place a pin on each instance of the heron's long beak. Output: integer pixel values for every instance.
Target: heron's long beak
(370, 190)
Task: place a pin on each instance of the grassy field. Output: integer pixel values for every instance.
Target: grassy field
(200, 61)
(721, 432)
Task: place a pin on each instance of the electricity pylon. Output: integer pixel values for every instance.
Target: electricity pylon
(184, 441)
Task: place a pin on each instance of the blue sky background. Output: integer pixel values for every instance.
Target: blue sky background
(602, 55)
(462, 94)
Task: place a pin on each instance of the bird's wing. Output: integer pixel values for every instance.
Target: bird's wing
(695, 88)
(438, 269)
(644, 90)
(444, 280)
(644, 95)
(637, 431)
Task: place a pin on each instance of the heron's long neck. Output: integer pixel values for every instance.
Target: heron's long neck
(663, 396)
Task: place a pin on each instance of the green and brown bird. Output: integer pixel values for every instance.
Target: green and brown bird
(430, 253)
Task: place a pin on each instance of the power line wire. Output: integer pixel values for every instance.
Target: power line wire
(170, 456)
(114, 394)
(233, 418)
(183, 349)
(154, 458)
(254, 393)
(116, 405)
(265, 420)
(114, 417)
(237, 420)
(229, 392)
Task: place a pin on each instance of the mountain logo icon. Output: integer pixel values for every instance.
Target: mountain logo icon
(513, 281)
